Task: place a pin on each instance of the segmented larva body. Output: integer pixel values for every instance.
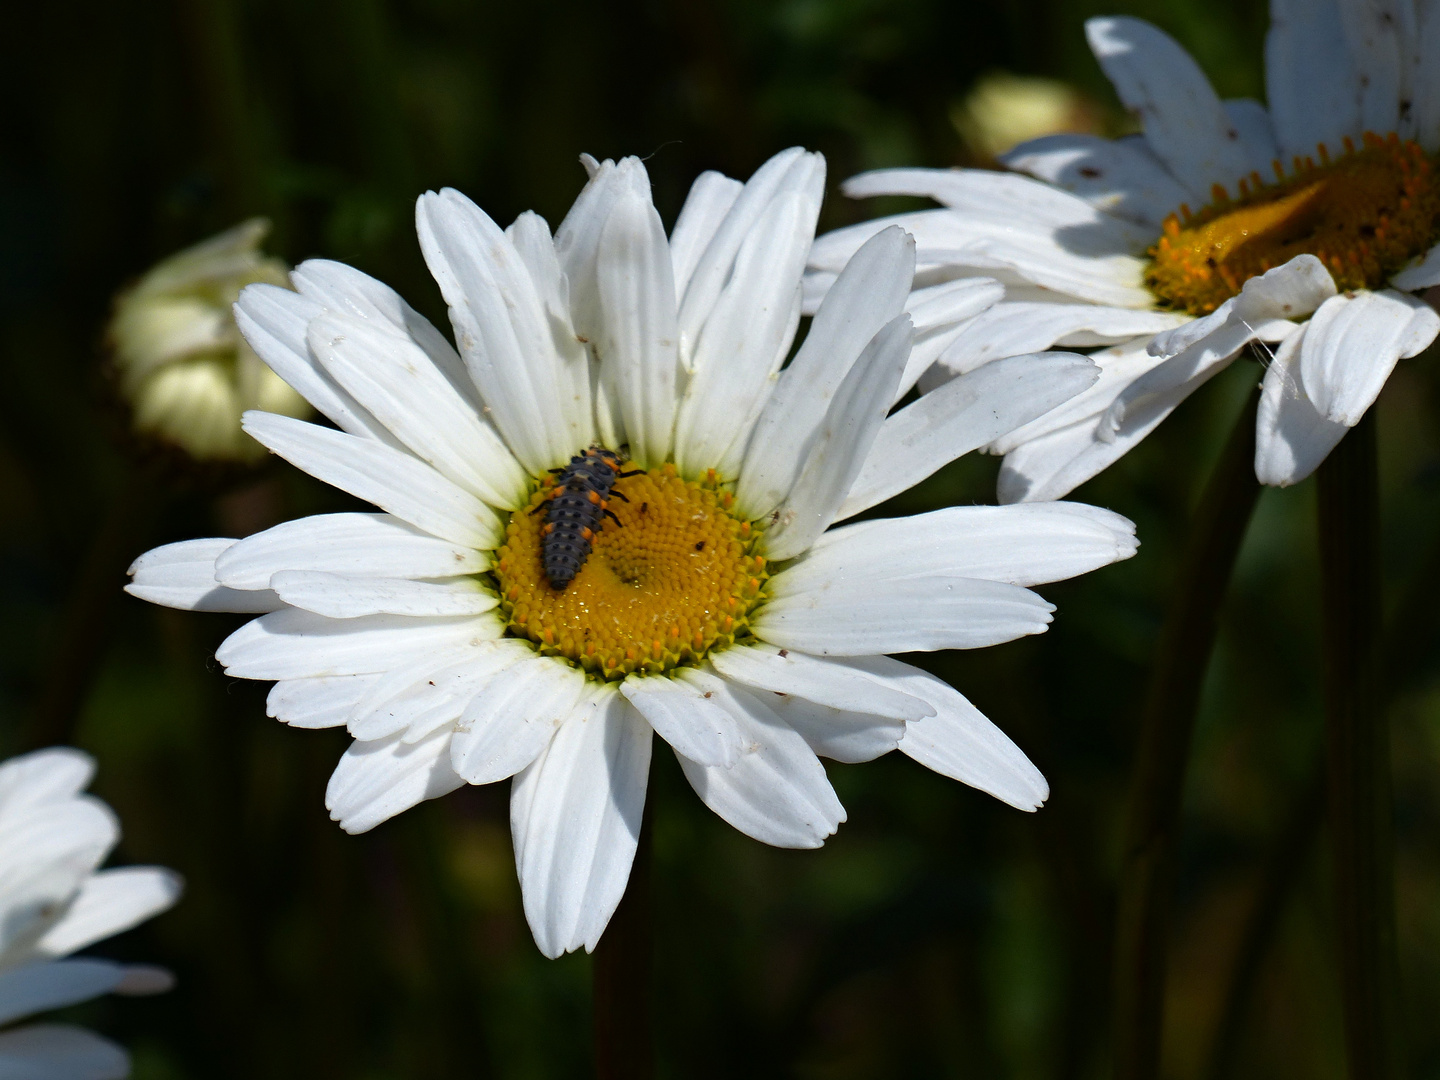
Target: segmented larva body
(576, 511)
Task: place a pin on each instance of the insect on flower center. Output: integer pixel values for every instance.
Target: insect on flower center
(674, 575)
(1364, 215)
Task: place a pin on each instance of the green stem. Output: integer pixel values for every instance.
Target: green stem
(1282, 871)
(1182, 655)
(1358, 755)
(624, 1048)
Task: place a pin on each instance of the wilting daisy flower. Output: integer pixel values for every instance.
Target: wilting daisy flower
(53, 902)
(609, 514)
(1307, 224)
(180, 363)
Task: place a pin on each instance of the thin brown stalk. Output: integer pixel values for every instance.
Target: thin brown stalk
(1358, 756)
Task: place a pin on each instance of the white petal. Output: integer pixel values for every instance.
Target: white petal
(274, 322)
(319, 703)
(514, 717)
(777, 792)
(1257, 136)
(869, 293)
(834, 683)
(295, 644)
(791, 172)
(348, 292)
(1379, 33)
(575, 816)
(960, 416)
(1019, 545)
(844, 601)
(60, 1052)
(53, 984)
(1310, 78)
(684, 712)
(1205, 346)
(1137, 394)
(739, 348)
(402, 388)
(1053, 464)
(1110, 175)
(1014, 328)
(1016, 201)
(391, 479)
(110, 903)
(530, 234)
(55, 774)
(1184, 122)
(357, 545)
(433, 690)
(1289, 291)
(183, 576)
(1119, 366)
(340, 597)
(839, 449)
(1422, 273)
(710, 199)
(959, 742)
(1164, 386)
(577, 242)
(502, 330)
(377, 780)
(638, 350)
(1291, 437)
(814, 286)
(951, 243)
(941, 314)
(1425, 75)
(838, 734)
(1353, 344)
(47, 849)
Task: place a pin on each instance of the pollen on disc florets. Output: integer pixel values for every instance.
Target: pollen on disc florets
(1364, 215)
(677, 577)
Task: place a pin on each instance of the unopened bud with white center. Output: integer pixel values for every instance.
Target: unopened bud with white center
(181, 364)
(1004, 110)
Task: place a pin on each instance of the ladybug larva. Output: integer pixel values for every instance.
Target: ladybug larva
(576, 511)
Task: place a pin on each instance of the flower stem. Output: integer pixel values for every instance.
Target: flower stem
(624, 1049)
(1182, 654)
(1358, 755)
(1284, 866)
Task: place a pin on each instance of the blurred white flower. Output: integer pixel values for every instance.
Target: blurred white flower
(53, 902)
(718, 609)
(1004, 109)
(181, 365)
(1310, 224)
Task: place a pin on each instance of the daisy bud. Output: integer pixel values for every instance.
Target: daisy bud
(179, 362)
(1004, 110)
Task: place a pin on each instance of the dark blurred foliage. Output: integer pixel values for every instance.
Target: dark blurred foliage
(940, 934)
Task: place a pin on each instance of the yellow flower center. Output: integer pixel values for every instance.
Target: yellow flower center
(1364, 216)
(677, 577)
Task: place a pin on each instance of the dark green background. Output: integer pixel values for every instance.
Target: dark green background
(940, 934)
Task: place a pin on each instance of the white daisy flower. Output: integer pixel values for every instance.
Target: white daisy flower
(711, 602)
(1307, 224)
(53, 902)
